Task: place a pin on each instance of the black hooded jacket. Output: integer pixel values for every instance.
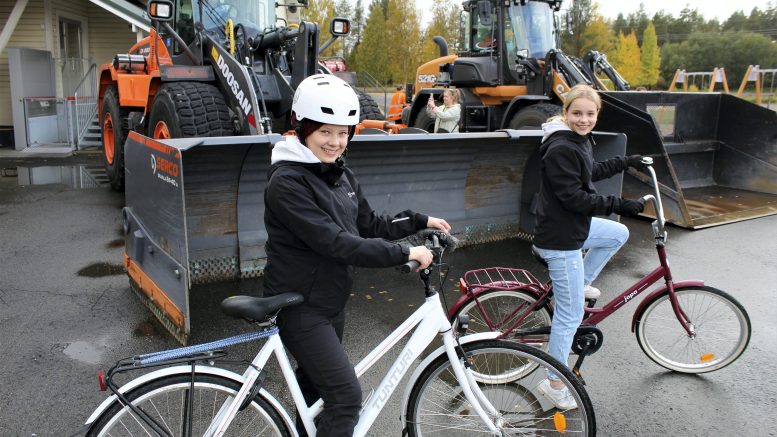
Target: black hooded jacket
(319, 225)
(568, 198)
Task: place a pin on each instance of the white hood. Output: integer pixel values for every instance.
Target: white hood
(552, 127)
(291, 149)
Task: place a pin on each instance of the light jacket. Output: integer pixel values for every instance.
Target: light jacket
(446, 118)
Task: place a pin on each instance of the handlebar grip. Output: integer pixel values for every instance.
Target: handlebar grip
(409, 266)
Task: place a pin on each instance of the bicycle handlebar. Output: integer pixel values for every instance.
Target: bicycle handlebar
(439, 239)
(659, 226)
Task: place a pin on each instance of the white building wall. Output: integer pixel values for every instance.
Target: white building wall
(30, 32)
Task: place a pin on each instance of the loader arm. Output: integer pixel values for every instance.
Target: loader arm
(594, 61)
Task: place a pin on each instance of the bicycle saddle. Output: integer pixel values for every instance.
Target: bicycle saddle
(256, 309)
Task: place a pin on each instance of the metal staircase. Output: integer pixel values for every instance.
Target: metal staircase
(92, 135)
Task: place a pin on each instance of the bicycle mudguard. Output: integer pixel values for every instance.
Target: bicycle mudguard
(464, 298)
(655, 294)
(178, 370)
(434, 355)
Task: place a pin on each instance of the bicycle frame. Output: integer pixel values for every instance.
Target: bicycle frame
(596, 315)
(429, 319)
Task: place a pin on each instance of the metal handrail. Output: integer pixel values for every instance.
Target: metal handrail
(365, 79)
(85, 102)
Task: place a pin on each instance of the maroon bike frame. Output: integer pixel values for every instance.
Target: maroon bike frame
(595, 315)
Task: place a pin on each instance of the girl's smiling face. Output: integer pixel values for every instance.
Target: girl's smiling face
(581, 116)
(328, 142)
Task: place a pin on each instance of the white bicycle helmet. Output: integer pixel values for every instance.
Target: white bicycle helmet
(326, 99)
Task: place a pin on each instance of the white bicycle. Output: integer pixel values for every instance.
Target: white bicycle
(469, 386)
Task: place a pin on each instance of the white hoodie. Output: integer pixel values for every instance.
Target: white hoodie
(552, 127)
(291, 149)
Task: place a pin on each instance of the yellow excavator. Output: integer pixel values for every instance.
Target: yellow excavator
(715, 154)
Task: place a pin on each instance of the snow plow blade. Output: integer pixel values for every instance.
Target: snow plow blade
(194, 207)
(715, 154)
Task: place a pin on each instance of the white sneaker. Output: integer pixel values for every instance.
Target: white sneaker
(561, 398)
(592, 292)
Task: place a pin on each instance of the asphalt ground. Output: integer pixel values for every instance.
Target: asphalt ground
(66, 312)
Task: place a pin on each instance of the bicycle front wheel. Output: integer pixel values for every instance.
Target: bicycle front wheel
(437, 405)
(721, 324)
(165, 399)
(499, 310)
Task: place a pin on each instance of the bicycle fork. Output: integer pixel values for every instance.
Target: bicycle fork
(460, 364)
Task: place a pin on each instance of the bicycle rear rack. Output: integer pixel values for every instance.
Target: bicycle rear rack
(501, 278)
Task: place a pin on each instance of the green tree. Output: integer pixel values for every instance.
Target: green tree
(445, 16)
(372, 55)
(581, 13)
(344, 45)
(402, 39)
(355, 37)
(638, 21)
(733, 51)
(650, 57)
(626, 58)
(321, 12)
(598, 36)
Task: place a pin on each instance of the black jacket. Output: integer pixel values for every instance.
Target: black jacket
(319, 225)
(568, 198)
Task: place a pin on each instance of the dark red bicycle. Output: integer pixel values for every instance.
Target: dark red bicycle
(685, 326)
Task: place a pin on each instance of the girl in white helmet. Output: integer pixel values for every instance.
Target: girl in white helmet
(319, 225)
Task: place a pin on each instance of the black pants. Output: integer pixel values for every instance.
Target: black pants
(324, 370)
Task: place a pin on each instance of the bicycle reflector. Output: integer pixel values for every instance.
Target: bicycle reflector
(706, 357)
(560, 421)
(101, 380)
(462, 286)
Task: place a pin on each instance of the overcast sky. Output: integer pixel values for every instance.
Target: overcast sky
(720, 9)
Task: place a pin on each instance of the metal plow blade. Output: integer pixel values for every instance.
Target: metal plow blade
(715, 154)
(194, 207)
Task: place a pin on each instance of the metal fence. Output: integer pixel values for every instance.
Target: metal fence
(85, 102)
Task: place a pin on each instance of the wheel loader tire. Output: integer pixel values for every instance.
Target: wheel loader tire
(424, 121)
(189, 109)
(533, 116)
(368, 109)
(114, 126)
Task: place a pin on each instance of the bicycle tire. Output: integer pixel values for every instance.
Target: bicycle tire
(163, 398)
(497, 311)
(721, 323)
(436, 404)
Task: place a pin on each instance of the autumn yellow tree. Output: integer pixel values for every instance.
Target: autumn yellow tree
(372, 54)
(445, 23)
(321, 12)
(598, 36)
(626, 58)
(650, 57)
(402, 39)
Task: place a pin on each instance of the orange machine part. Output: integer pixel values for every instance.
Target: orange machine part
(153, 292)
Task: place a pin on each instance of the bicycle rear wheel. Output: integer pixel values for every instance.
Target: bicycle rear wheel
(437, 405)
(164, 400)
(498, 310)
(722, 330)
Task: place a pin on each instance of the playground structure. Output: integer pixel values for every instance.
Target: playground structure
(758, 75)
(701, 79)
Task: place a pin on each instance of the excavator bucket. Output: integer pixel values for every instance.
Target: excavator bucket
(715, 154)
(194, 207)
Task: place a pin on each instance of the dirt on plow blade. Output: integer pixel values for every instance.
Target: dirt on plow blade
(194, 207)
(715, 154)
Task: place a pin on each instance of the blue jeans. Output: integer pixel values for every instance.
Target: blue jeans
(570, 272)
